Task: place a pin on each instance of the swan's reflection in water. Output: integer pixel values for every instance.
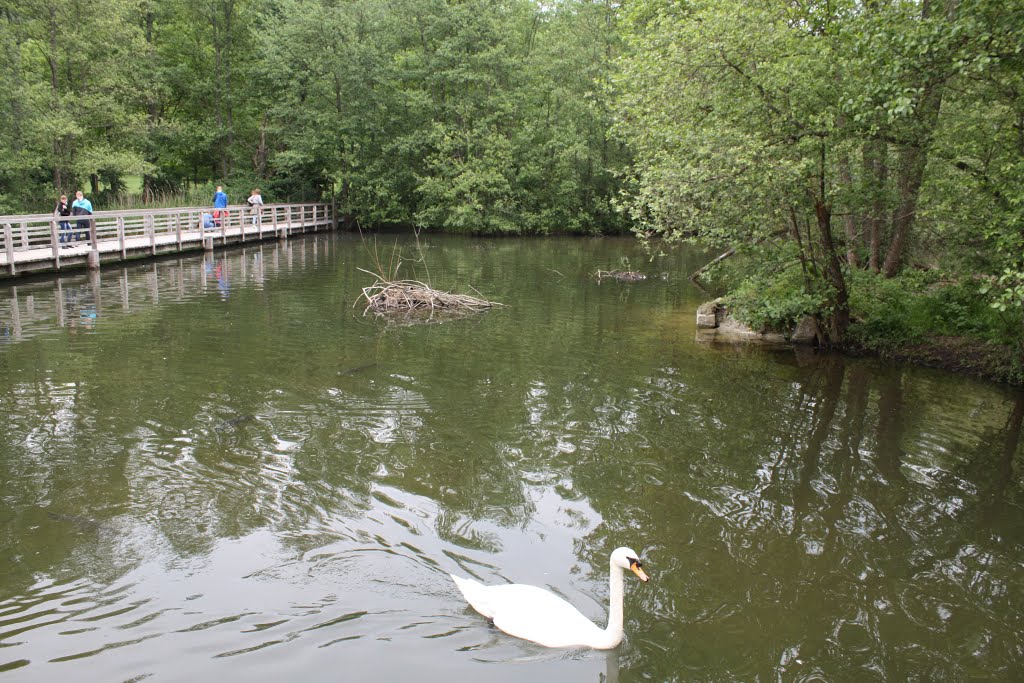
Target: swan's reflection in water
(611, 667)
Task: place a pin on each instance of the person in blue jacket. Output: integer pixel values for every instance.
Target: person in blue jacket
(220, 200)
(220, 205)
(81, 207)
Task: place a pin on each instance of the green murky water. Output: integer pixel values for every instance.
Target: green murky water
(221, 469)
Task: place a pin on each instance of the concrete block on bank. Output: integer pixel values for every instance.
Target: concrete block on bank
(715, 324)
(708, 314)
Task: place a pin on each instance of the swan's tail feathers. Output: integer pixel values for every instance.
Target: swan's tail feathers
(475, 594)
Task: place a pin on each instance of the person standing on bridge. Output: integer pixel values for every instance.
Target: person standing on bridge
(63, 208)
(220, 199)
(81, 207)
(220, 204)
(256, 202)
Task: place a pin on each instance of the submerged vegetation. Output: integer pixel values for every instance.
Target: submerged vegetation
(859, 162)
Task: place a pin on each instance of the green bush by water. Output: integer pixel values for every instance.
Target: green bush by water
(885, 312)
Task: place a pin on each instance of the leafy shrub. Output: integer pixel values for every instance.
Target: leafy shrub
(919, 304)
(774, 301)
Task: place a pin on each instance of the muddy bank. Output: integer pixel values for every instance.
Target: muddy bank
(955, 354)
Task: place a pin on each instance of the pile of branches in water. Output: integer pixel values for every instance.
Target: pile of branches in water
(620, 275)
(410, 295)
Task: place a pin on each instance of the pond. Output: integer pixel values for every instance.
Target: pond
(218, 467)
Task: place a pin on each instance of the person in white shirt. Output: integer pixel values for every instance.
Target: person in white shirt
(256, 202)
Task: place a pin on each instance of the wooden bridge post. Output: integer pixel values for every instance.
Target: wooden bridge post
(9, 248)
(54, 246)
(92, 259)
(120, 237)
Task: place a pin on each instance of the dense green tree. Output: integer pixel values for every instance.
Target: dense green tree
(823, 136)
(71, 111)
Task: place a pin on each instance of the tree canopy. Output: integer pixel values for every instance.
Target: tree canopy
(831, 138)
(481, 116)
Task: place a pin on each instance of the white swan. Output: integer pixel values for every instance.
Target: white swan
(535, 614)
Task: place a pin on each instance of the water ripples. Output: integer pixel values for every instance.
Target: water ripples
(265, 485)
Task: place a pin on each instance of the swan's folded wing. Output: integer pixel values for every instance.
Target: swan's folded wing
(535, 614)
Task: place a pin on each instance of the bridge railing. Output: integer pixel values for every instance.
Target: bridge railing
(43, 231)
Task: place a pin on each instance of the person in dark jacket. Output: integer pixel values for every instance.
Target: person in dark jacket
(63, 208)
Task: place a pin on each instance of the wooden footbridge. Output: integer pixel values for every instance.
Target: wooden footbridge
(33, 243)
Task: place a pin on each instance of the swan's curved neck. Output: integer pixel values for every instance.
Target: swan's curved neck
(615, 591)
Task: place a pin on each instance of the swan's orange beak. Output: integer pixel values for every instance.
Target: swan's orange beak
(638, 570)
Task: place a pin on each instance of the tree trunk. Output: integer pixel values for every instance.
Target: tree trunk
(914, 159)
(839, 320)
(151, 108)
(51, 60)
(849, 218)
(229, 11)
(12, 47)
(876, 170)
(260, 156)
